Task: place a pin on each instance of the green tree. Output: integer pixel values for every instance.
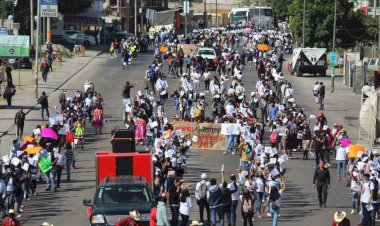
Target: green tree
(319, 23)
(280, 9)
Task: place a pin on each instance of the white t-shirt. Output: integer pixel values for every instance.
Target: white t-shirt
(235, 195)
(185, 207)
(366, 191)
(340, 153)
(260, 185)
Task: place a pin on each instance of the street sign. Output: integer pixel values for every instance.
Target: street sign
(49, 8)
(186, 7)
(3, 30)
(333, 59)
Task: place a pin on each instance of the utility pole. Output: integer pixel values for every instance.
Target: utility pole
(333, 49)
(303, 23)
(128, 19)
(185, 7)
(142, 16)
(135, 18)
(205, 13)
(216, 13)
(48, 31)
(3, 12)
(31, 23)
(37, 45)
(259, 13)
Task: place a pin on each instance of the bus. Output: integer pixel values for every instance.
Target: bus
(262, 16)
(239, 15)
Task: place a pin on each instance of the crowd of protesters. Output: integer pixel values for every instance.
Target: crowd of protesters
(57, 143)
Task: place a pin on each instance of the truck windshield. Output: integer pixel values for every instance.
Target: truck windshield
(123, 194)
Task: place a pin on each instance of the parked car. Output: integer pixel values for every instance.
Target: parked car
(115, 197)
(25, 62)
(71, 36)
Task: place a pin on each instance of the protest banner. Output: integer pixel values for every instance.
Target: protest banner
(208, 134)
(45, 164)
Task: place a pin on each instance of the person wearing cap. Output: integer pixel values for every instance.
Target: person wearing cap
(274, 202)
(132, 220)
(340, 219)
(321, 180)
(201, 189)
(214, 198)
(11, 220)
(376, 157)
(366, 199)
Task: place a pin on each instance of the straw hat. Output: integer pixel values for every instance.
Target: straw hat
(194, 223)
(339, 216)
(46, 224)
(11, 213)
(135, 215)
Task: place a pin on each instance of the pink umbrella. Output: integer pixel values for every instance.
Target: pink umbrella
(345, 142)
(49, 133)
(248, 30)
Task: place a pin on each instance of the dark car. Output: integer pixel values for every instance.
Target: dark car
(25, 62)
(115, 197)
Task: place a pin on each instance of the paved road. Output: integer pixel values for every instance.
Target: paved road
(299, 202)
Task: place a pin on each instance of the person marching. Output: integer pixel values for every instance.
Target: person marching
(321, 180)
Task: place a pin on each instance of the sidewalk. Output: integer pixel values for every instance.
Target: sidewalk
(25, 94)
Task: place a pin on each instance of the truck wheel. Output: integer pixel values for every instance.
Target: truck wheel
(323, 74)
(315, 74)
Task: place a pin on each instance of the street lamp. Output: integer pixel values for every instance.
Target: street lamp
(303, 23)
(333, 49)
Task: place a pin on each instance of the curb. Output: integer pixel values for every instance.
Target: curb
(63, 83)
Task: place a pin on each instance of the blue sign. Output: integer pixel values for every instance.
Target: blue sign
(3, 30)
(49, 2)
(333, 59)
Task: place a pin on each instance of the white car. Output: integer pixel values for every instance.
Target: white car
(85, 39)
(210, 54)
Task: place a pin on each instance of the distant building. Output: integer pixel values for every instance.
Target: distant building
(118, 11)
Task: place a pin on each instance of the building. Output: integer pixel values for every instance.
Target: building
(119, 12)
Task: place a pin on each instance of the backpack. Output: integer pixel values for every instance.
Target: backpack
(376, 190)
(274, 136)
(203, 191)
(247, 206)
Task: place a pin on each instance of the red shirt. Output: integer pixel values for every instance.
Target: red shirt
(10, 222)
(152, 217)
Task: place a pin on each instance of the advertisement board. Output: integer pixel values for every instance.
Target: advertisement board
(14, 46)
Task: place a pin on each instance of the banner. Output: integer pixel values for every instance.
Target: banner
(14, 46)
(45, 164)
(207, 135)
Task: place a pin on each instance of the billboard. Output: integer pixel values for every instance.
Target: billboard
(14, 46)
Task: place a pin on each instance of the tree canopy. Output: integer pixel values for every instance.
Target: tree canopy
(319, 22)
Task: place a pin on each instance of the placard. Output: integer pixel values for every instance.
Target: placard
(45, 164)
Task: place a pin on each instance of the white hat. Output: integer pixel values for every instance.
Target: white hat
(46, 224)
(135, 215)
(204, 176)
